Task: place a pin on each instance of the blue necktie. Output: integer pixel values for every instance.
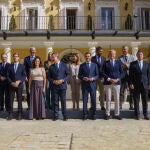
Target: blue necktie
(57, 66)
(112, 63)
(88, 66)
(99, 60)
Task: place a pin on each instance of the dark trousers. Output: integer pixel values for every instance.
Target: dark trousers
(4, 96)
(92, 91)
(18, 92)
(28, 94)
(144, 97)
(56, 94)
(48, 96)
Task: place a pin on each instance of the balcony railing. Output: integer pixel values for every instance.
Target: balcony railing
(73, 23)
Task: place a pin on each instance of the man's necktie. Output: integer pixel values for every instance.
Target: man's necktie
(99, 60)
(31, 58)
(126, 58)
(88, 66)
(15, 67)
(140, 64)
(57, 66)
(112, 63)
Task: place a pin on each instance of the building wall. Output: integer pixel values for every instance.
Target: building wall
(42, 52)
(124, 13)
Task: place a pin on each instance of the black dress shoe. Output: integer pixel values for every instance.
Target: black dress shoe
(93, 117)
(146, 117)
(55, 118)
(19, 117)
(65, 118)
(91, 108)
(85, 117)
(131, 108)
(10, 117)
(137, 117)
(103, 108)
(118, 117)
(107, 117)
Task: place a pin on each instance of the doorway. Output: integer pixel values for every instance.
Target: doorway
(32, 19)
(71, 19)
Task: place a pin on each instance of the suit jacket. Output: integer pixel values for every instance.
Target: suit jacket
(59, 74)
(20, 74)
(115, 72)
(3, 72)
(84, 72)
(130, 58)
(100, 66)
(137, 76)
(28, 65)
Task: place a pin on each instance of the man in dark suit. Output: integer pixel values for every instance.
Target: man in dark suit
(139, 73)
(4, 85)
(58, 75)
(113, 73)
(88, 74)
(28, 65)
(16, 75)
(100, 61)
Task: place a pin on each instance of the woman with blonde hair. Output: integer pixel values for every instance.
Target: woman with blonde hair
(47, 64)
(74, 80)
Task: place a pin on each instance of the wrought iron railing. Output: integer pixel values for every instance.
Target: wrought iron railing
(73, 23)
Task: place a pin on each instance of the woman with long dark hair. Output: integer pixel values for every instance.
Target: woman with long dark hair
(37, 85)
(74, 80)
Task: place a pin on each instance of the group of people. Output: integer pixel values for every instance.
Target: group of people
(46, 85)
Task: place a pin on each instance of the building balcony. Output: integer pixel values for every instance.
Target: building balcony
(63, 24)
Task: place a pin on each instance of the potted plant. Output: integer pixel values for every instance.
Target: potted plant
(129, 23)
(12, 23)
(51, 23)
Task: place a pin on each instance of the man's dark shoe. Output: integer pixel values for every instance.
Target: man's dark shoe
(131, 108)
(93, 117)
(55, 118)
(85, 117)
(65, 118)
(107, 117)
(19, 117)
(10, 117)
(103, 108)
(91, 108)
(118, 117)
(146, 117)
(137, 117)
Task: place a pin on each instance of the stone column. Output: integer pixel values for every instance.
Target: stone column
(49, 47)
(7, 50)
(135, 47)
(92, 47)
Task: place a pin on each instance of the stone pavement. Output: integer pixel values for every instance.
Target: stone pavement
(75, 134)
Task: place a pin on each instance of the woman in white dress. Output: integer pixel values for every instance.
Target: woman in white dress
(74, 80)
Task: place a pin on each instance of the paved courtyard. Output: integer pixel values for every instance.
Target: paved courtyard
(75, 134)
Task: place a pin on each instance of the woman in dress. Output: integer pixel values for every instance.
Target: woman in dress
(37, 84)
(74, 80)
(47, 64)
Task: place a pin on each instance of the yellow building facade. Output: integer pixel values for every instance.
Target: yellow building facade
(66, 26)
